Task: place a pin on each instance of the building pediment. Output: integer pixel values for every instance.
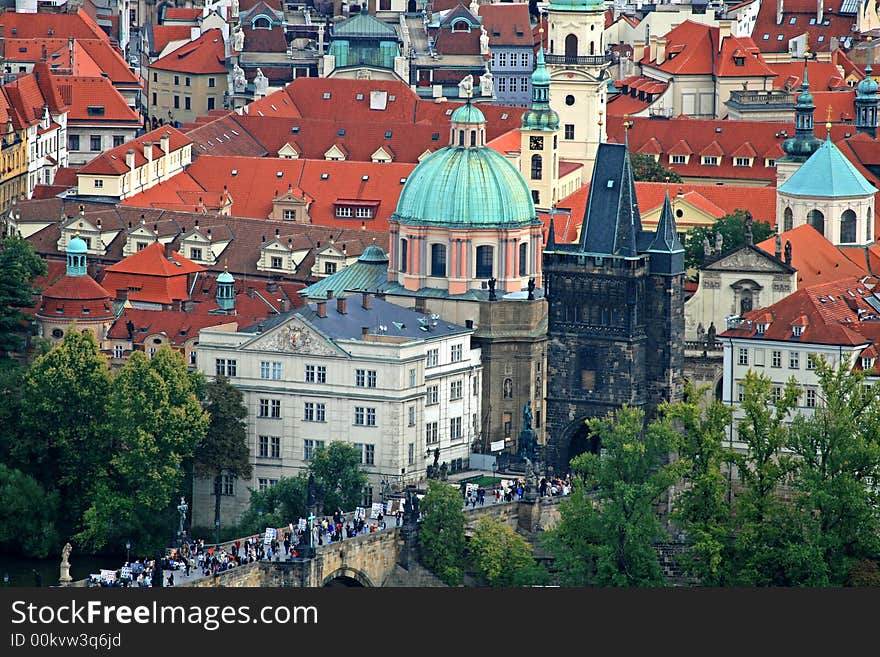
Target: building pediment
(293, 336)
(749, 259)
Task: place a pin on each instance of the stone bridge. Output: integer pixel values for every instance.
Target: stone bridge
(385, 558)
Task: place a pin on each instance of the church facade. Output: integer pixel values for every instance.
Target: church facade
(615, 312)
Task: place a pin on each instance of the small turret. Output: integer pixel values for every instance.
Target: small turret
(226, 291)
(76, 256)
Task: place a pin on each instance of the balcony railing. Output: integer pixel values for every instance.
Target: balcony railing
(579, 60)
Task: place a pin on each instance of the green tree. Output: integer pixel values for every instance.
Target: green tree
(339, 478)
(441, 533)
(224, 448)
(28, 514)
(608, 527)
(646, 169)
(11, 378)
(65, 422)
(278, 505)
(732, 228)
(701, 508)
(502, 557)
(837, 464)
(19, 266)
(774, 545)
(158, 423)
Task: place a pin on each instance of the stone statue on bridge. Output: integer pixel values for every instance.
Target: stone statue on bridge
(65, 564)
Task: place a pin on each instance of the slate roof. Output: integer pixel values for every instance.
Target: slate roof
(367, 274)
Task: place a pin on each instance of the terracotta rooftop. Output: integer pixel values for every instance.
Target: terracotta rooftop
(202, 56)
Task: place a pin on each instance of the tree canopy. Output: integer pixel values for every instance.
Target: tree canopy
(502, 557)
(441, 536)
(339, 478)
(19, 266)
(646, 169)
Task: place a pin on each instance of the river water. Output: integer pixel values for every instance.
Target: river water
(20, 569)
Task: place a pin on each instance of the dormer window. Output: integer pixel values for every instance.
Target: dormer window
(867, 364)
(739, 61)
(797, 331)
(461, 26)
(761, 329)
(710, 160)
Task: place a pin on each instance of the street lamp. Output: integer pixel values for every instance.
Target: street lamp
(127, 551)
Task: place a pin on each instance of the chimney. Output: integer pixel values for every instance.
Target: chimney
(724, 31)
(129, 159)
(166, 143)
(366, 303)
(322, 309)
(819, 9)
(283, 303)
(341, 305)
(364, 331)
(329, 294)
(779, 11)
(469, 323)
(148, 150)
(661, 49)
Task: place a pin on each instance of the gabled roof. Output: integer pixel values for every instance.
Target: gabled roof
(367, 274)
(152, 261)
(202, 56)
(113, 162)
(29, 26)
(507, 24)
(86, 93)
(165, 34)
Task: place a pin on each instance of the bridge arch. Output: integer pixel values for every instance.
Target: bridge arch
(347, 576)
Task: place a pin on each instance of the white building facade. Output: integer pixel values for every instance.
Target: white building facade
(392, 382)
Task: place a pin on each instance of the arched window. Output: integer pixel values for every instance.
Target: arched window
(473, 138)
(507, 389)
(817, 220)
(537, 167)
(848, 227)
(461, 137)
(262, 22)
(438, 260)
(523, 258)
(869, 229)
(788, 219)
(461, 26)
(592, 48)
(571, 46)
(404, 252)
(485, 261)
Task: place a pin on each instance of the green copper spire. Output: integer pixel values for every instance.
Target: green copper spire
(804, 143)
(541, 116)
(867, 101)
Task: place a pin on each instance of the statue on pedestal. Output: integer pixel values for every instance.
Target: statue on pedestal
(65, 564)
(719, 242)
(531, 289)
(239, 82)
(182, 508)
(466, 87)
(492, 282)
(528, 439)
(487, 83)
(238, 40)
(484, 41)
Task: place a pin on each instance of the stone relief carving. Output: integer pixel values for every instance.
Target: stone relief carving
(745, 260)
(295, 338)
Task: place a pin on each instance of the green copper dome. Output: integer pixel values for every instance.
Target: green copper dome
(77, 245)
(468, 113)
(827, 174)
(576, 5)
(465, 187)
(225, 277)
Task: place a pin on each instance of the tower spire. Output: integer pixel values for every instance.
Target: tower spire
(867, 100)
(667, 252)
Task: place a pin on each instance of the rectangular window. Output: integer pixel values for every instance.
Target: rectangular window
(154, 99)
(569, 130)
(118, 349)
(277, 263)
(264, 369)
(431, 434)
(195, 253)
(776, 359)
(155, 77)
(263, 484)
(371, 417)
(308, 449)
(502, 59)
(433, 358)
(329, 267)
(455, 388)
(211, 83)
(322, 374)
(211, 102)
(177, 80)
(225, 367)
(359, 415)
(412, 378)
(228, 484)
(811, 398)
(276, 408)
(678, 159)
(537, 419)
(186, 101)
(276, 371)
(73, 142)
(743, 356)
(455, 428)
(742, 162)
(264, 408)
(343, 211)
(710, 160)
(433, 395)
(95, 142)
(777, 394)
(275, 447)
(411, 454)
(320, 412)
(371, 378)
(310, 373)
(118, 140)
(794, 360)
(506, 423)
(263, 443)
(309, 412)
(369, 454)
(177, 102)
(365, 378)
(186, 81)
(363, 213)
(411, 412)
(456, 352)
(289, 215)
(739, 392)
(811, 362)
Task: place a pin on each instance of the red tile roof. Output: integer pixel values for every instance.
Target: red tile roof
(202, 56)
(693, 49)
(84, 93)
(29, 26)
(75, 297)
(816, 259)
(152, 261)
(150, 276)
(183, 13)
(802, 11)
(113, 162)
(830, 313)
(108, 60)
(263, 40)
(824, 76)
(165, 34)
(507, 24)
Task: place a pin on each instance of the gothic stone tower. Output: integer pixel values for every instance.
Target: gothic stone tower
(616, 312)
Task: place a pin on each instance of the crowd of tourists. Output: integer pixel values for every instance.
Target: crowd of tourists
(513, 491)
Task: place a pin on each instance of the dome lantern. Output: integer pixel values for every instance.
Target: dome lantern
(76, 256)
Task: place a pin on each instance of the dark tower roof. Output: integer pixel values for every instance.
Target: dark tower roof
(667, 253)
(612, 223)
